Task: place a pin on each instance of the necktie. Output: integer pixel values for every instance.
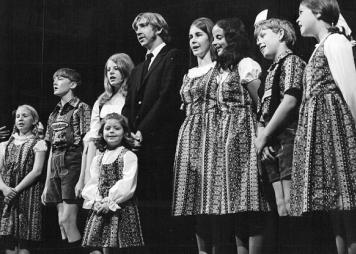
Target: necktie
(146, 64)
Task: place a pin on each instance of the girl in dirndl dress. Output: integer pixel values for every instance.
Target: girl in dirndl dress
(324, 162)
(21, 163)
(114, 220)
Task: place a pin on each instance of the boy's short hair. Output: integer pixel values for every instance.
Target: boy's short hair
(276, 25)
(157, 21)
(70, 74)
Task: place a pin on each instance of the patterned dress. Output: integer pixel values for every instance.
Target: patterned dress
(324, 162)
(22, 218)
(237, 171)
(120, 228)
(195, 159)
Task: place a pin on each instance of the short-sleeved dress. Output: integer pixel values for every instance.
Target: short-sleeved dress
(22, 218)
(324, 162)
(195, 158)
(113, 177)
(237, 171)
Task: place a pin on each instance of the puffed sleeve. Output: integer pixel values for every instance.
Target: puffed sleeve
(94, 123)
(338, 51)
(249, 70)
(40, 146)
(90, 192)
(125, 188)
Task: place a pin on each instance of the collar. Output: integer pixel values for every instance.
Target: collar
(22, 138)
(156, 50)
(322, 40)
(280, 58)
(73, 102)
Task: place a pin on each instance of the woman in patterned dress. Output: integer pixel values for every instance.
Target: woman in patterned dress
(114, 220)
(195, 159)
(237, 167)
(21, 163)
(324, 163)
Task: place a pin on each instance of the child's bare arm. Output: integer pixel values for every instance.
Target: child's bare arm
(47, 177)
(279, 117)
(35, 172)
(252, 89)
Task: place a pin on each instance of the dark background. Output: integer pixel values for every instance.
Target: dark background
(39, 36)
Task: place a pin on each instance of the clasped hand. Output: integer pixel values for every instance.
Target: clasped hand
(137, 139)
(101, 207)
(265, 151)
(9, 194)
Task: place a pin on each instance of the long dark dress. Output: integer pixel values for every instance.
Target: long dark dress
(22, 218)
(324, 162)
(195, 159)
(237, 162)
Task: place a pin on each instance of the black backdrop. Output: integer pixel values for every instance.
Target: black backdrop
(39, 36)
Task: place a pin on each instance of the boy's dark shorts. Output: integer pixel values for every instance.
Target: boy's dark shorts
(64, 175)
(281, 168)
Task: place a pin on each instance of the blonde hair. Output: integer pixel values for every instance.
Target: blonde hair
(289, 36)
(157, 21)
(125, 65)
(35, 117)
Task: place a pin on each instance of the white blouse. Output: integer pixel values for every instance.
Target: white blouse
(338, 51)
(114, 105)
(122, 190)
(200, 70)
(249, 70)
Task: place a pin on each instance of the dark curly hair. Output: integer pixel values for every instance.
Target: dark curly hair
(238, 45)
(127, 140)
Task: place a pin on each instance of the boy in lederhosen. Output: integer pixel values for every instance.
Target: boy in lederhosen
(66, 127)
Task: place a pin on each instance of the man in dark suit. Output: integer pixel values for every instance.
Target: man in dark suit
(152, 108)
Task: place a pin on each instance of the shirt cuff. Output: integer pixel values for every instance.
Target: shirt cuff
(113, 206)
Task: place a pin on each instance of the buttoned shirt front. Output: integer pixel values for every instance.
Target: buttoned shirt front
(155, 52)
(72, 117)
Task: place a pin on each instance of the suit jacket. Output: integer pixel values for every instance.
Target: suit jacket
(152, 103)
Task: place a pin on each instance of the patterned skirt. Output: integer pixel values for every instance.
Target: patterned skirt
(118, 229)
(22, 218)
(195, 165)
(324, 161)
(238, 168)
